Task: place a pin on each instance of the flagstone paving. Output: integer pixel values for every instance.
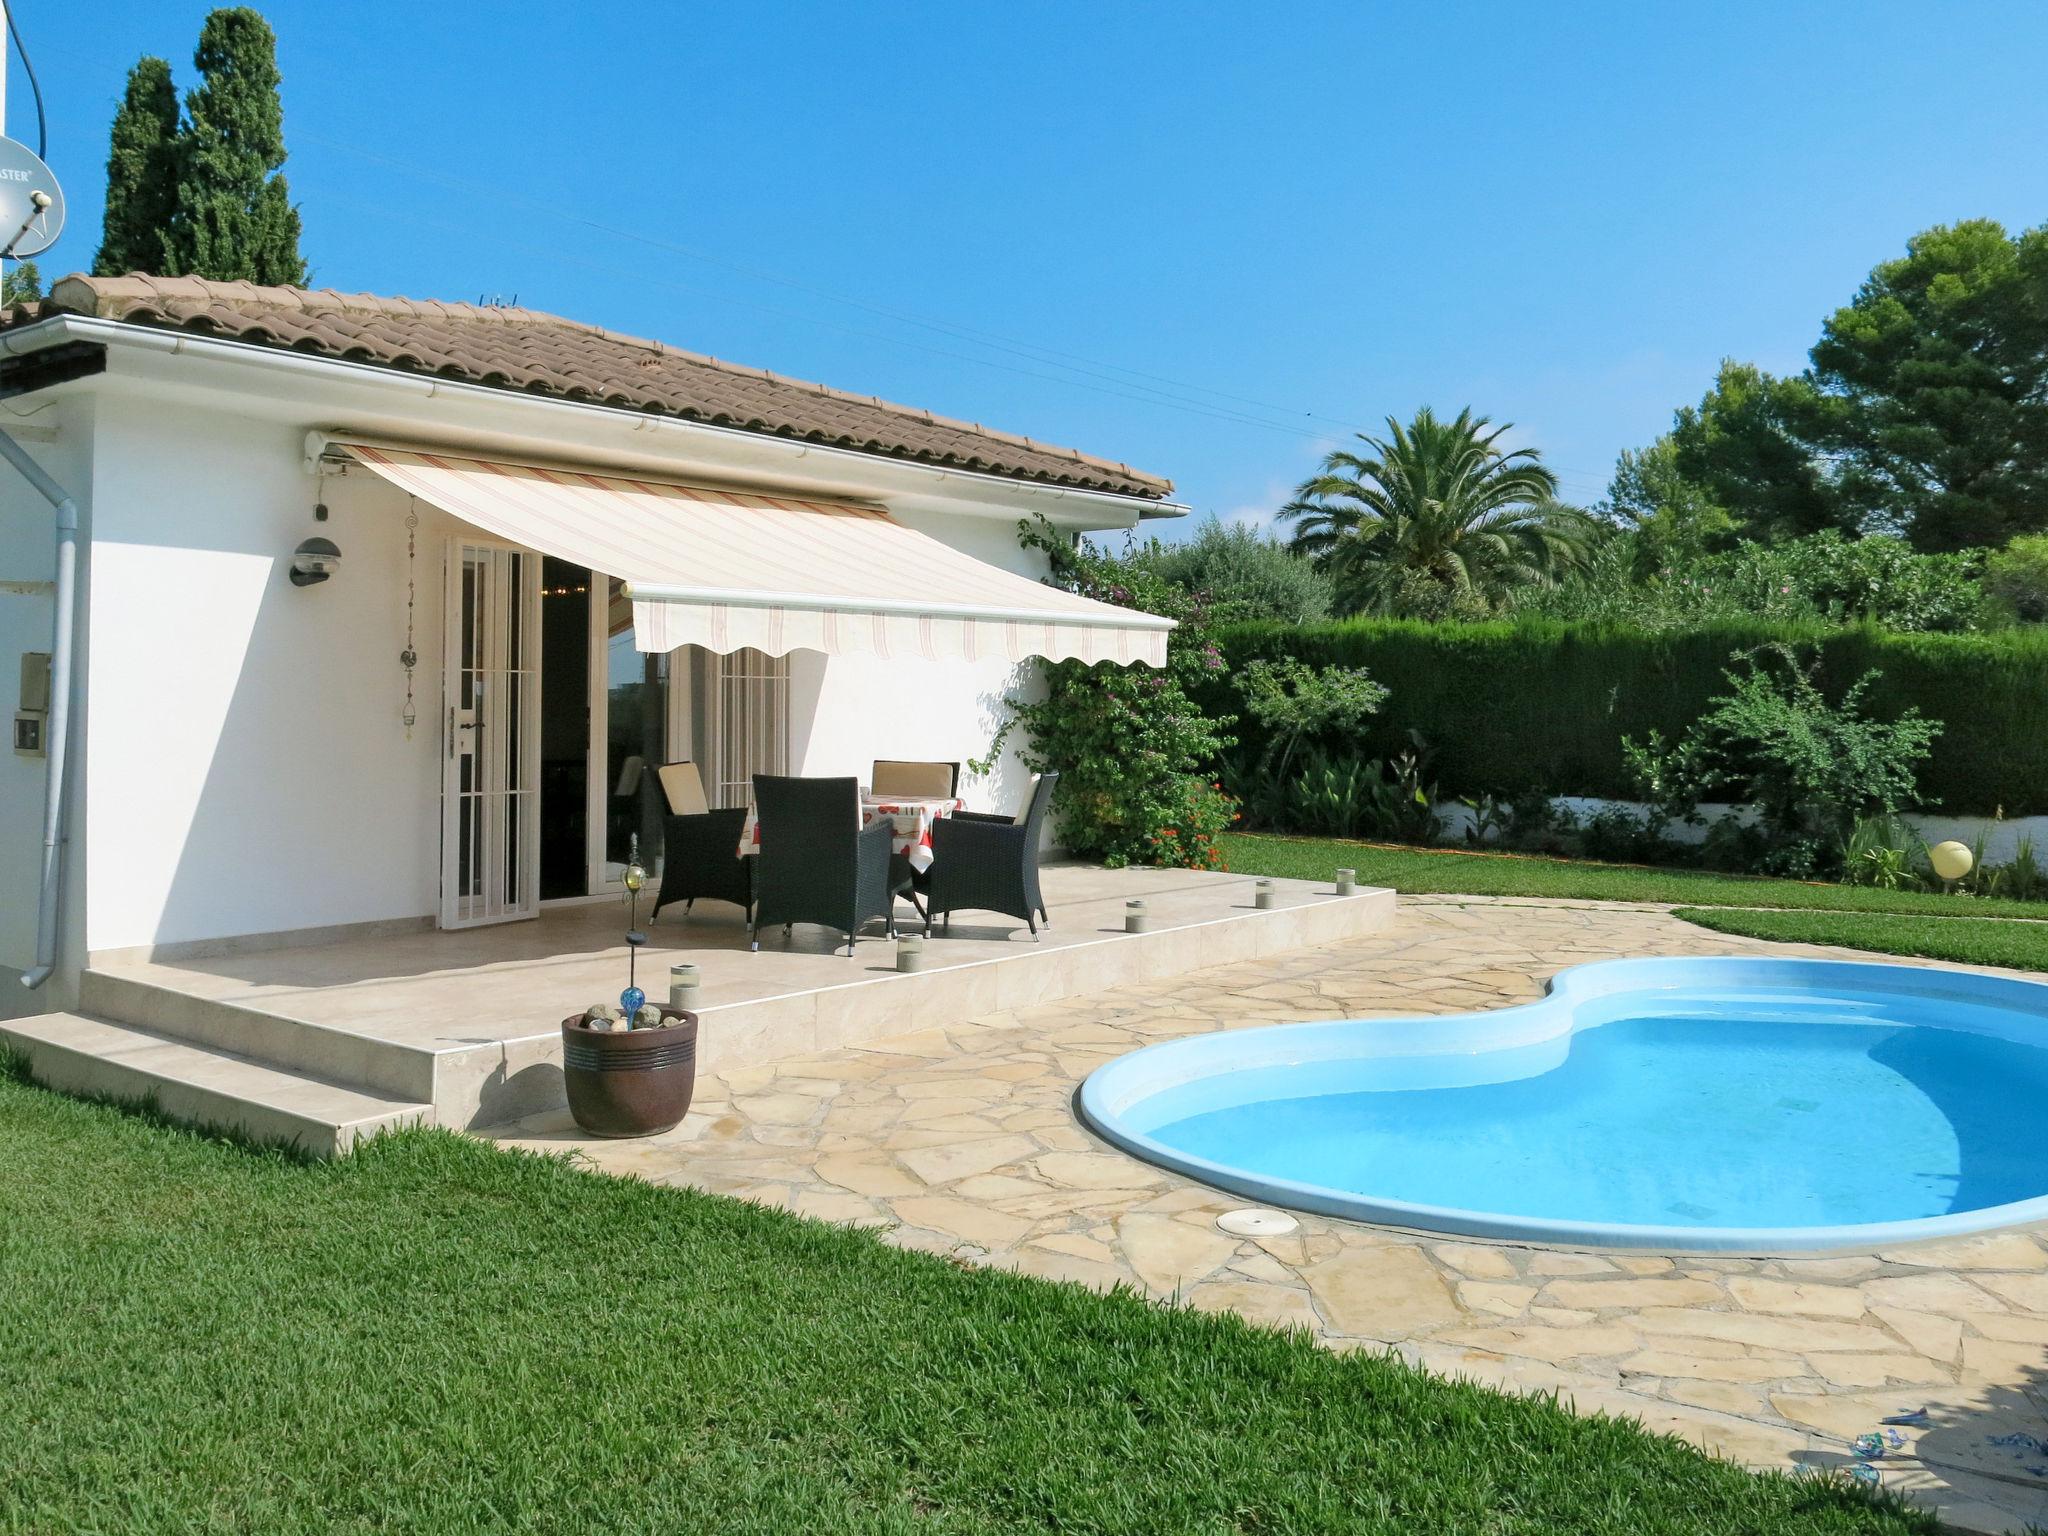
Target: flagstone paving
(963, 1141)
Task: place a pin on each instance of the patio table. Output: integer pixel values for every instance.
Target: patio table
(912, 814)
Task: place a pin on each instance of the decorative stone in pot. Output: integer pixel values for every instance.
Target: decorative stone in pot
(630, 1082)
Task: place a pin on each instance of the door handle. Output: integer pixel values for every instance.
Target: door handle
(475, 727)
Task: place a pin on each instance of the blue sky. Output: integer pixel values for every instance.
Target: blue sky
(1203, 239)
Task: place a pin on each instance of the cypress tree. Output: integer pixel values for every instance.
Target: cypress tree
(232, 217)
(141, 174)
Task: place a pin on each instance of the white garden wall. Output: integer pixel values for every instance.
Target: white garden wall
(2001, 837)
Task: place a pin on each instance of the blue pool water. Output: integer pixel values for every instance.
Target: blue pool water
(1706, 1103)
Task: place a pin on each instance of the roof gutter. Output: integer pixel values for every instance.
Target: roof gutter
(46, 333)
(50, 890)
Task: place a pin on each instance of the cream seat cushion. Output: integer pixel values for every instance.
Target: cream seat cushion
(684, 787)
(924, 780)
(1030, 794)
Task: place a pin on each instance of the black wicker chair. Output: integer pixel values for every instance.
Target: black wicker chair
(700, 846)
(818, 864)
(989, 863)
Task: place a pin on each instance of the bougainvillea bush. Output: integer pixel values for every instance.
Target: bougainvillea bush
(1129, 743)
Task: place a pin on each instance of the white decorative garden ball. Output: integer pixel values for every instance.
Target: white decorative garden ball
(1951, 860)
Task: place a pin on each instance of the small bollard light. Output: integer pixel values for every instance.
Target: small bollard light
(1951, 861)
(1263, 895)
(1136, 918)
(684, 986)
(910, 952)
(1347, 881)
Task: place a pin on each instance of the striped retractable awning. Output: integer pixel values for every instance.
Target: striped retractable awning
(730, 569)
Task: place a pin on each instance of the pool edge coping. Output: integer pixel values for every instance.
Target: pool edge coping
(1560, 993)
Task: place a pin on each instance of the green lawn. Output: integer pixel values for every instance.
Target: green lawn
(1494, 874)
(436, 1336)
(1967, 940)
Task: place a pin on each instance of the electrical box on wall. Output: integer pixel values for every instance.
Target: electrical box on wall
(35, 682)
(34, 708)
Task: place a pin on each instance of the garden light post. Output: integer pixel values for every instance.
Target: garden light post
(1951, 861)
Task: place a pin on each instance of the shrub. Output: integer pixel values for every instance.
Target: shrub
(1537, 704)
(1879, 579)
(1294, 703)
(1245, 574)
(1532, 822)
(1339, 796)
(1332, 797)
(1879, 853)
(1812, 767)
(1616, 834)
(2016, 580)
(1127, 742)
(2024, 878)
(1823, 578)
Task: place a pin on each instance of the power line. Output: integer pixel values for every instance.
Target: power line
(35, 89)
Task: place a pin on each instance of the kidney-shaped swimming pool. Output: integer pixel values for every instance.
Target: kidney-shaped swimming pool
(1706, 1104)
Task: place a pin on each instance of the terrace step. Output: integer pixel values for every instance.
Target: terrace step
(297, 1046)
(205, 1086)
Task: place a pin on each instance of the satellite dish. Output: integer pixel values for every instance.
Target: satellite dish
(31, 203)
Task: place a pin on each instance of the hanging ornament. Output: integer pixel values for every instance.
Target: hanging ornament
(410, 656)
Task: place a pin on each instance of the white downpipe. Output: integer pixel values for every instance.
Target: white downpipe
(52, 885)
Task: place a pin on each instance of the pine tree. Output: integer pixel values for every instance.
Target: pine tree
(233, 217)
(141, 174)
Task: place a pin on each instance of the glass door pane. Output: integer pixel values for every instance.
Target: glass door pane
(636, 739)
(565, 603)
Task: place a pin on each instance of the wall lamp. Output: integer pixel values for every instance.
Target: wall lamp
(314, 561)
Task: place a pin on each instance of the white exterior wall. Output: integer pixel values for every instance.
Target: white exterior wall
(58, 438)
(245, 768)
(248, 771)
(848, 711)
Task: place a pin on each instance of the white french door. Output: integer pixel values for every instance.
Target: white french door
(490, 787)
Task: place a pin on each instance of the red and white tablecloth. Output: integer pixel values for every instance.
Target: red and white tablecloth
(912, 814)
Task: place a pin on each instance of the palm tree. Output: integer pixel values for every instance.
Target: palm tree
(1436, 519)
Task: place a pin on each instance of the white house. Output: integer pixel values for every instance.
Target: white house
(559, 550)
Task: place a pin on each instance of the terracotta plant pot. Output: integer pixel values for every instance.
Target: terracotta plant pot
(630, 1082)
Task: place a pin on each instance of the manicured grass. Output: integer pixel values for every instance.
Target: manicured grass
(1967, 940)
(1422, 870)
(436, 1337)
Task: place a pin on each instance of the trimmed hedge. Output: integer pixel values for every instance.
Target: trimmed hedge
(1539, 704)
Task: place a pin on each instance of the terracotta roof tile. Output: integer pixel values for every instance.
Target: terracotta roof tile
(543, 354)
